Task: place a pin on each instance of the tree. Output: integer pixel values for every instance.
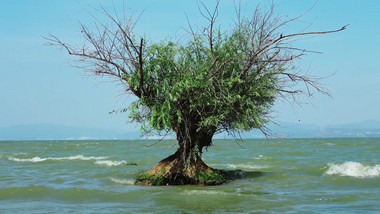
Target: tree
(216, 81)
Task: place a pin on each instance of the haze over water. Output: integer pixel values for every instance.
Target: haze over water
(287, 175)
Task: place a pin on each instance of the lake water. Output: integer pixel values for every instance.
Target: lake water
(290, 176)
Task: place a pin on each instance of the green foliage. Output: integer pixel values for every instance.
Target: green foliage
(192, 83)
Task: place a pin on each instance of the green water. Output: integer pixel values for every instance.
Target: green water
(286, 176)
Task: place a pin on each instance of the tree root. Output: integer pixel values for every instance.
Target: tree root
(171, 171)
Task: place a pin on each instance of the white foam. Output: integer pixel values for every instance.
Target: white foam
(110, 163)
(262, 157)
(35, 159)
(38, 159)
(353, 169)
(245, 166)
(123, 181)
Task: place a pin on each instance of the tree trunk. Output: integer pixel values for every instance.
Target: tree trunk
(191, 143)
(185, 166)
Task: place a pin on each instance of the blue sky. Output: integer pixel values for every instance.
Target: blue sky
(37, 84)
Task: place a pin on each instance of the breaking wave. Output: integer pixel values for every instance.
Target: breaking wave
(245, 166)
(123, 181)
(39, 159)
(110, 163)
(353, 169)
(262, 157)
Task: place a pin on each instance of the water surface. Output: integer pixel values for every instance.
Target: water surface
(283, 175)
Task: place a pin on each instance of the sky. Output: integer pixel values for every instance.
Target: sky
(39, 85)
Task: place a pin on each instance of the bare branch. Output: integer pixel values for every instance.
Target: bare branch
(141, 61)
(211, 17)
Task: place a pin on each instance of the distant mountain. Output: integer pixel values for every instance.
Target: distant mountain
(370, 128)
(61, 132)
(368, 124)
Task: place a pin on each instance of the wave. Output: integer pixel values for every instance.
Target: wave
(353, 169)
(39, 159)
(7, 155)
(245, 166)
(123, 181)
(203, 192)
(110, 163)
(74, 194)
(327, 144)
(262, 157)
(27, 191)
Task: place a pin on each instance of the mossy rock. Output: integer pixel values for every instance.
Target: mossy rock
(210, 177)
(170, 173)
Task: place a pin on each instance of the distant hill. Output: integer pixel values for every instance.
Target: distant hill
(61, 132)
(370, 128)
